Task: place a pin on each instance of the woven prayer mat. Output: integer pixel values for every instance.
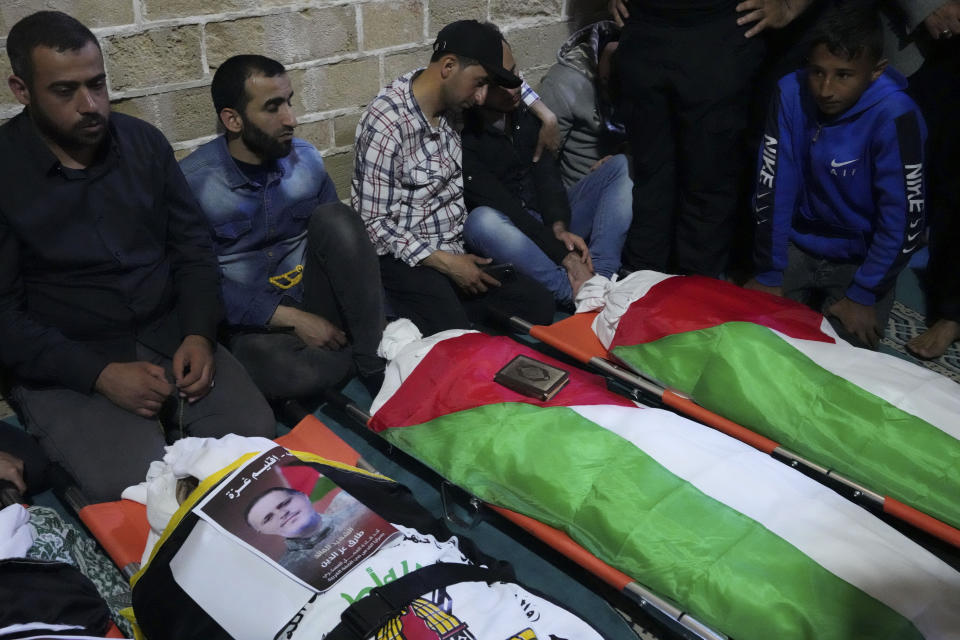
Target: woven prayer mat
(906, 323)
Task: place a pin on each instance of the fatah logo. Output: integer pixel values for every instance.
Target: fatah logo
(426, 620)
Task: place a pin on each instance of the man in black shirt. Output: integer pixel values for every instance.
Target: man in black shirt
(109, 297)
(520, 211)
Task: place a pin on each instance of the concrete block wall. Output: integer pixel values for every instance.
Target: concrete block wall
(161, 54)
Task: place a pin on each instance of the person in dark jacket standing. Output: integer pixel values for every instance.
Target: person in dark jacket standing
(520, 211)
(109, 294)
(685, 74)
(840, 200)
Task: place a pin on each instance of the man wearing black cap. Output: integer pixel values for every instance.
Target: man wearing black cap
(408, 187)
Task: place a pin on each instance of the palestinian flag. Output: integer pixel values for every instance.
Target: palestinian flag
(742, 542)
(775, 366)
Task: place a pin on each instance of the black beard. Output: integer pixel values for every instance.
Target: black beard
(262, 144)
(72, 139)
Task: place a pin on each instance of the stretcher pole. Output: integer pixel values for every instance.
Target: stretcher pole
(629, 587)
(590, 352)
(560, 541)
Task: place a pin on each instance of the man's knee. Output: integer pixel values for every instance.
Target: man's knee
(102, 447)
(423, 295)
(483, 223)
(335, 227)
(618, 167)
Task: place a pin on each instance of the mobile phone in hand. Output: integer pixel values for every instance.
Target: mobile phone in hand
(503, 272)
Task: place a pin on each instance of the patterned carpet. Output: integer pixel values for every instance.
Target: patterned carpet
(903, 325)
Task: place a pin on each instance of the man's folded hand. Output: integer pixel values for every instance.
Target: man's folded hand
(138, 387)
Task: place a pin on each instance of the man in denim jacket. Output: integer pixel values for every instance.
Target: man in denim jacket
(300, 279)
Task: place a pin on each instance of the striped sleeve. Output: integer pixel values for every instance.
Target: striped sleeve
(775, 195)
(900, 194)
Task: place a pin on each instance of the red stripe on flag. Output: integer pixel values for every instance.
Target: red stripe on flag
(457, 374)
(690, 303)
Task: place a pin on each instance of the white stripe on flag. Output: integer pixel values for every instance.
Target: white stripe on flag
(843, 538)
(912, 388)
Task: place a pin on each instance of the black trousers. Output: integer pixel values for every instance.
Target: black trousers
(434, 303)
(341, 283)
(818, 283)
(936, 89)
(687, 92)
(105, 449)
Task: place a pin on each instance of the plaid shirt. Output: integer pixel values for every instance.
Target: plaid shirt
(408, 179)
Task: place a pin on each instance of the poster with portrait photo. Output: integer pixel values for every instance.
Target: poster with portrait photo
(288, 513)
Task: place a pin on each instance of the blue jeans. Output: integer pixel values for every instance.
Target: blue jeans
(601, 207)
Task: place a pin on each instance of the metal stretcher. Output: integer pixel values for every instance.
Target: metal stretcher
(121, 526)
(574, 337)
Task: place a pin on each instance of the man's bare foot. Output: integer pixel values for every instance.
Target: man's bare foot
(577, 271)
(934, 342)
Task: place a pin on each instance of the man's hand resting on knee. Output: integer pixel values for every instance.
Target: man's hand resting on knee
(138, 387)
(314, 330)
(858, 319)
(463, 270)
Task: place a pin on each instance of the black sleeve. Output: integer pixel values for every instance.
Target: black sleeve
(33, 351)
(196, 274)
(551, 194)
(483, 188)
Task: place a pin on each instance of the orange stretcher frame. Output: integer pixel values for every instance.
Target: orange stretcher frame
(121, 526)
(575, 337)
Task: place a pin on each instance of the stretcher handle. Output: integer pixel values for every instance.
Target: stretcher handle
(546, 336)
(921, 521)
(686, 405)
(566, 546)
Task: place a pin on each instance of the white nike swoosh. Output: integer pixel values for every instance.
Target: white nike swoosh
(913, 225)
(908, 249)
(759, 209)
(762, 221)
(912, 236)
(763, 195)
(835, 164)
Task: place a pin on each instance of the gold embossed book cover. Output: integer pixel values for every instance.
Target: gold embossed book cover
(532, 378)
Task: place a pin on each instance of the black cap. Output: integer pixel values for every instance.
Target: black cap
(482, 42)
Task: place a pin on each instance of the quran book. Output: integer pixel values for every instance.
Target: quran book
(532, 378)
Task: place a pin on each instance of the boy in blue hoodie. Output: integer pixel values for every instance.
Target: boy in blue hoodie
(840, 195)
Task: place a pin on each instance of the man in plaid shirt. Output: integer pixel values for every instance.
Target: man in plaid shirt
(408, 187)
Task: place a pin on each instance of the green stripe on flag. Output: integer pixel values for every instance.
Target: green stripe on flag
(747, 373)
(556, 466)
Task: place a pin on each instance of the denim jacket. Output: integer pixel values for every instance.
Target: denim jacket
(259, 231)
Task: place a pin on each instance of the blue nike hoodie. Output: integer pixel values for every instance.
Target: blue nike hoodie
(850, 189)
